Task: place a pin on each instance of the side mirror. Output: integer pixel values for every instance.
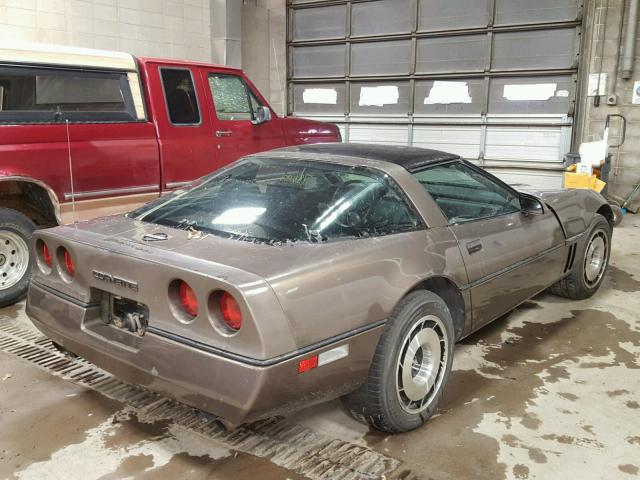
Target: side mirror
(263, 114)
(530, 205)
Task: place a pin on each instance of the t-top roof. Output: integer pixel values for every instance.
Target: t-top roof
(410, 158)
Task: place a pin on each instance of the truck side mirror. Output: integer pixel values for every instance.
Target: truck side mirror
(263, 114)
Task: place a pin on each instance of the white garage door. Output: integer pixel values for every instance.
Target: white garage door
(491, 80)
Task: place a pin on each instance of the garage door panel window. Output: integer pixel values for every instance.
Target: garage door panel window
(382, 17)
(464, 194)
(389, 98)
(530, 96)
(320, 61)
(452, 14)
(319, 23)
(543, 49)
(509, 12)
(449, 97)
(381, 58)
(320, 99)
(37, 95)
(465, 53)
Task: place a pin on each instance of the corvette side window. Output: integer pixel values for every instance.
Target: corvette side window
(464, 194)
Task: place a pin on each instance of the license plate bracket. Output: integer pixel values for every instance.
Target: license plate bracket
(127, 315)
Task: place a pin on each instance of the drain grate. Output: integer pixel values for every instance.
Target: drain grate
(285, 444)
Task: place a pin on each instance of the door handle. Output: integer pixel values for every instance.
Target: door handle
(473, 247)
(223, 133)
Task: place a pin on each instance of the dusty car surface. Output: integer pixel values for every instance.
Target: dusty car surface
(309, 273)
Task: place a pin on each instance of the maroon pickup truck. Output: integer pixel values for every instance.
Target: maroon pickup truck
(111, 131)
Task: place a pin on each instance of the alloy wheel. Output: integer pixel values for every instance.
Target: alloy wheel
(421, 364)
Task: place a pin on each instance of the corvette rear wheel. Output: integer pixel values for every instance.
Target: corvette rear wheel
(410, 367)
(590, 264)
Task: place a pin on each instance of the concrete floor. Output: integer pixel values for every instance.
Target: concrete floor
(550, 391)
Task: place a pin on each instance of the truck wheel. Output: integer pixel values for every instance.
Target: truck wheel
(15, 255)
(589, 265)
(410, 367)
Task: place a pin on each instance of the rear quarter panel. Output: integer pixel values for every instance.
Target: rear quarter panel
(354, 283)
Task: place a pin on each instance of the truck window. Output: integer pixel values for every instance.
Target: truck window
(232, 98)
(36, 95)
(180, 94)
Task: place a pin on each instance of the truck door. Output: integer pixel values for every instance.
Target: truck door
(187, 145)
(233, 103)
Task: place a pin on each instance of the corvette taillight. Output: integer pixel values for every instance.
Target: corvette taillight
(46, 254)
(230, 311)
(188, 299)
(69, 266)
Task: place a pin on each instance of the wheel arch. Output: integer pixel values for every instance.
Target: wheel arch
(607, 212)
(453, 296)
(31, 197)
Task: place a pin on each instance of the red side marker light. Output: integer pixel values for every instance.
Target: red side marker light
(307, 364)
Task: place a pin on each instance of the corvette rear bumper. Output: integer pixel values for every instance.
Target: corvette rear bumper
(233, 390)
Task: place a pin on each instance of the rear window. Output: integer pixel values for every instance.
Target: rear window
(180, 94)
(288, 201)
(36, 95)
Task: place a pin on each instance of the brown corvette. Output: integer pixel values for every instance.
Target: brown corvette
(309, 273)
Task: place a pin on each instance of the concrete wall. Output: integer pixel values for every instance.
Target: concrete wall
(604, 24)
(226, 32)
(264, 48)
(177, 28)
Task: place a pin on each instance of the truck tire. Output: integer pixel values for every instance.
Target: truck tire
(16, 261)
(590, 264)
(410, 367)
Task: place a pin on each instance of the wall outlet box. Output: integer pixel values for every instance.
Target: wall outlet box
(636, 93)
(612, 100)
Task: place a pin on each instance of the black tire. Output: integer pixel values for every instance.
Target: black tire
(578, 285)
(16, 231)
(381, 401)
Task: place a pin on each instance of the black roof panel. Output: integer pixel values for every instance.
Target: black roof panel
(410, 158)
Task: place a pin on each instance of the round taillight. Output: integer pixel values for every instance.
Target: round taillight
(230, 311)
(188, 299)
(46, 254)
(68, 263)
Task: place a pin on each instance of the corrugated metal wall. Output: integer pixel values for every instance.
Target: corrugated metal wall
(491, 80)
